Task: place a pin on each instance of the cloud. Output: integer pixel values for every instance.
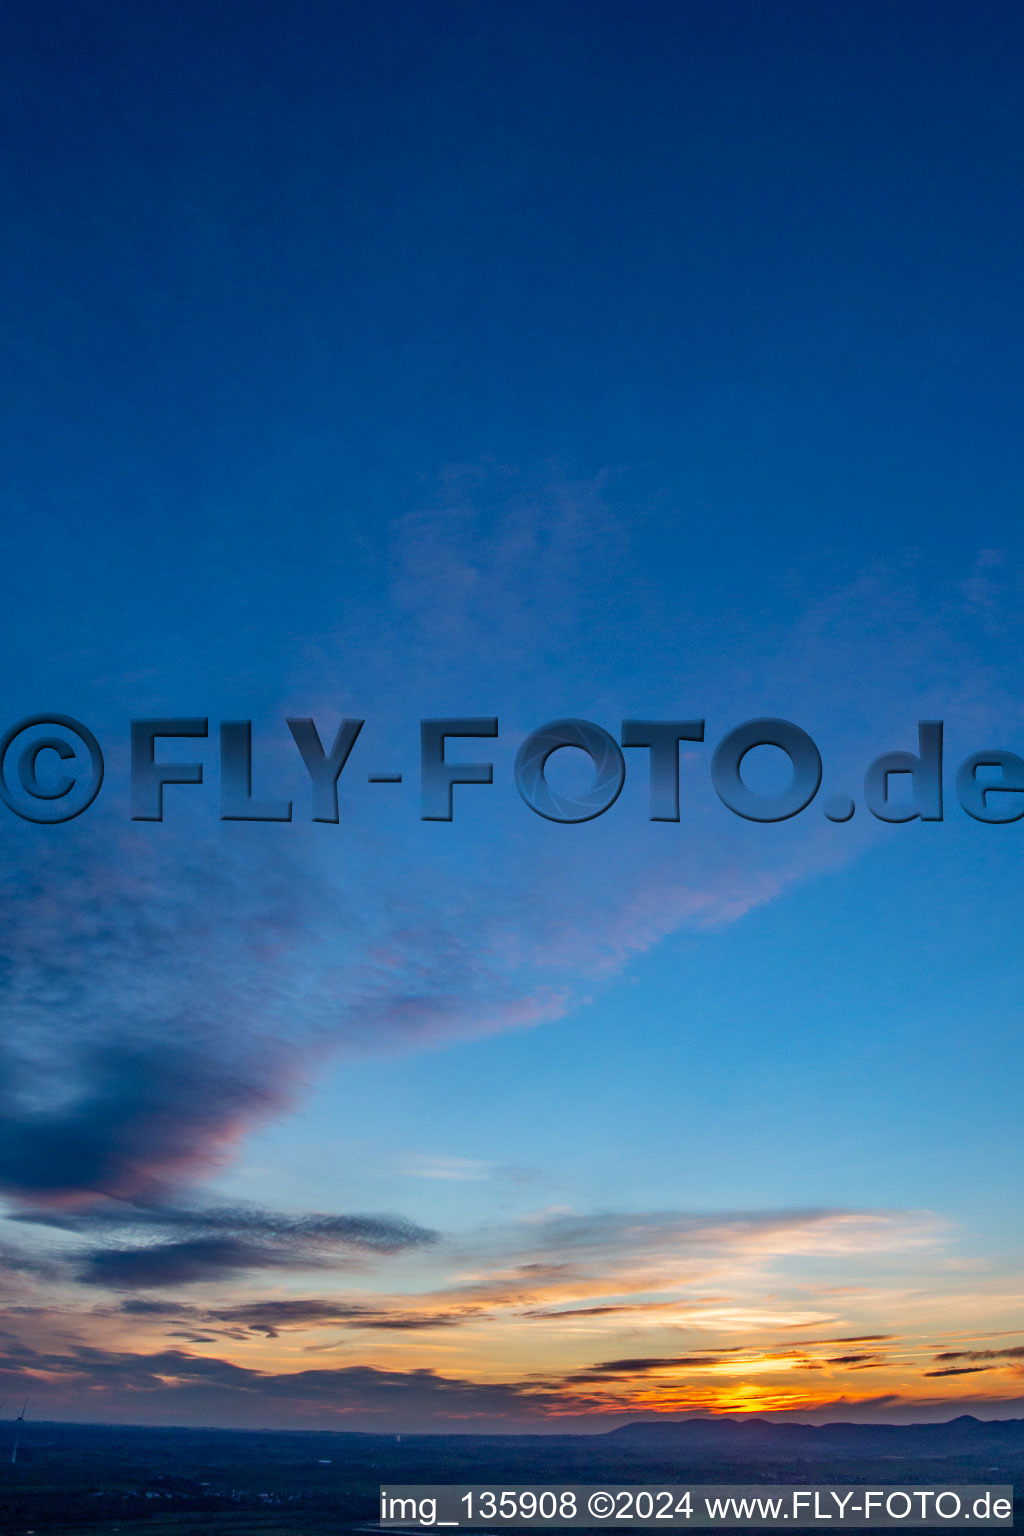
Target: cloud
(1012, 1355)
(175, 1385)
(159, 1386)
(411, 1321)
(132, 1055)
(272, 1317)
(172, 1385)
(15, 1261)
(458, 1169)
(647, 1273)
(650, 1248)
(187, 1245)
(1014, 1352)
(737, 1357)
(958, 1370)
(608, 1310)
(642, 1366)
(158, 1005)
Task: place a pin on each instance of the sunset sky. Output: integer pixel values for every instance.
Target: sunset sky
(537, 360)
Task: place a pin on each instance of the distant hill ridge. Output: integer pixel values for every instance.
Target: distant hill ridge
(966, 1435)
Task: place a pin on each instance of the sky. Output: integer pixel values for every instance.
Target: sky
(518, 362)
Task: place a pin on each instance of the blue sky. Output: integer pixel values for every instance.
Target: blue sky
(533, 361)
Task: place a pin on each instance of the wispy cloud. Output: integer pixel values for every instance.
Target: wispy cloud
(1014, 1352)
(958, 1370)
(457, 1169)
(206, 1244)
(272, 1317)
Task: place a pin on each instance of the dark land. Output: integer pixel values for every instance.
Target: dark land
(79, 1479)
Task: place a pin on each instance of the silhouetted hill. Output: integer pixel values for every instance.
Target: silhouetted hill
(964, 1436)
